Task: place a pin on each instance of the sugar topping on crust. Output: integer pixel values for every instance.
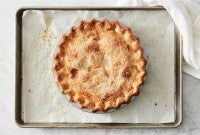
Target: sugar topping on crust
(99, 65)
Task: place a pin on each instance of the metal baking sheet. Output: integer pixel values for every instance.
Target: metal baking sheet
(18, 110)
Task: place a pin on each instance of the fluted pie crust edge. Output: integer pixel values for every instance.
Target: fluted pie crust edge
(99, 65)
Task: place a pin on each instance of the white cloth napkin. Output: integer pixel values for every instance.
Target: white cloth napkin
(186, 15)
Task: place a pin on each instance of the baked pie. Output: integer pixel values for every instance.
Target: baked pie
(99, 65)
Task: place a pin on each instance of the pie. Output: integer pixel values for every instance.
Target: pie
(99, 65)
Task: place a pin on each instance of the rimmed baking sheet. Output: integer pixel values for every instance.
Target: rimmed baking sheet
(24, 92)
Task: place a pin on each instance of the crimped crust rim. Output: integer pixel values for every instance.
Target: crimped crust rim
(74, 98)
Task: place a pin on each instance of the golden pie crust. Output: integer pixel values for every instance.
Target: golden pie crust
(99, 65)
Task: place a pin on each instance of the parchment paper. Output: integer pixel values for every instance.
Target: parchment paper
(43, 102)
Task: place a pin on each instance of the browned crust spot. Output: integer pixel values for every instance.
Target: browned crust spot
(126, 73)
(73, 72)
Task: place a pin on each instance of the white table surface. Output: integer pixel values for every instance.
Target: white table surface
(191, 87)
